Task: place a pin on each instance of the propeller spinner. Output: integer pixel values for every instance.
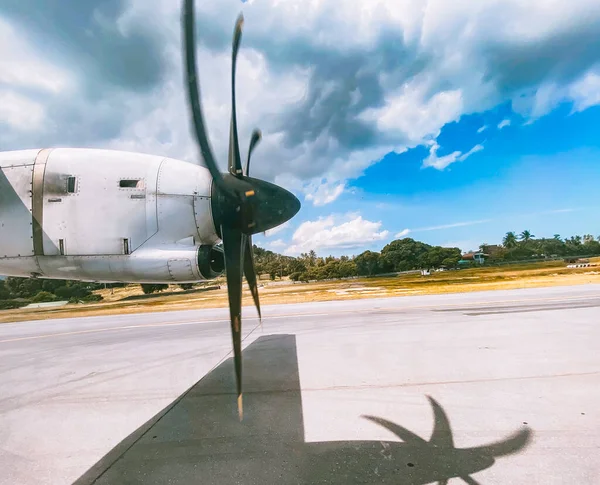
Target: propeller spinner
(241, 205)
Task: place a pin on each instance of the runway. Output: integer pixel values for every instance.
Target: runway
(513, 377)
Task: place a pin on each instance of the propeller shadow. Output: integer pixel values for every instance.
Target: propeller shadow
(198, 439)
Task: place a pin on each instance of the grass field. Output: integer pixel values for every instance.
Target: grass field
(131, 299)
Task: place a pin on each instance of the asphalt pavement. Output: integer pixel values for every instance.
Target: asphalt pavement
(493, 387)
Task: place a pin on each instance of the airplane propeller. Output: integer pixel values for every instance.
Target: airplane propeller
(241, 205)
(459, 461)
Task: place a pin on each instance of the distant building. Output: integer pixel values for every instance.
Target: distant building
(474, 257)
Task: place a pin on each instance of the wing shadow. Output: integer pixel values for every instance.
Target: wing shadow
(198, 439)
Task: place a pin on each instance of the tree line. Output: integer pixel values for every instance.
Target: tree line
(526, 246)
(407, 254)
(19, 292)
(399, 255)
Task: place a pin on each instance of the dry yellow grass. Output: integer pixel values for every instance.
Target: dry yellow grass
(478, 279)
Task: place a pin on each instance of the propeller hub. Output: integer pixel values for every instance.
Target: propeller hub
(259, 205)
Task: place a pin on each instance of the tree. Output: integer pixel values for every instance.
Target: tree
(309, 259)
(438, 256)
(526, 236)
(404, 254)
(296, 265)
(347, 269)
(510, 240)
(367, 263)
(557, 237)
(4, 293)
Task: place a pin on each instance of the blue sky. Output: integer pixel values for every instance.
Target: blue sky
(542, 176)
(448, 122)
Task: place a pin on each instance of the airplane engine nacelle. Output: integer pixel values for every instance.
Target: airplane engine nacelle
(169, 264)
(166, 264)
(211, 261)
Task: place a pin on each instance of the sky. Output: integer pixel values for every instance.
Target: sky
(448, 122)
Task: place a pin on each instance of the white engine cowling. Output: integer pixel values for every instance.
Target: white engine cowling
(169, 264)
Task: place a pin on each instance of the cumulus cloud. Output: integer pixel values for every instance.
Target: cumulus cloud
(277, 244)
(324, 193)
(335, 232)
(278, 229)
(333, 90)
(441, 163)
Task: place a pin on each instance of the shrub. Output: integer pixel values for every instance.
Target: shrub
(43, 297)
(12, 304)
(150, 288)
(86, 299)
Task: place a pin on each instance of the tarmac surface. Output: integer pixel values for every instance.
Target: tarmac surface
(492, 388)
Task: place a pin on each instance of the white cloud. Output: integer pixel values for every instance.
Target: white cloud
(503, 124)
(277, 244)
(333, 89)
(475, 149)
(583, 92)
(275, 230)
(22, 65)
(441, 163)
(413, 114)
(482, 129)
(586, 91)
(454, 224)
(405, 232)
(23, 68)
(335, 232)
(324, 193)
(20, 112)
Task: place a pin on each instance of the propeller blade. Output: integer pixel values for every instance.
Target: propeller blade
(194, 96)
(510, 445)
(401, 432)
(256, 137)
(470, 481)
(250, 273)
(442, 433)
(233, 247)
(235, 161)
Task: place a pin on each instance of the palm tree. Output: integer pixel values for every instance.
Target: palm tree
(588, 238)
(510, 240)
(557, 237)
(526, 236)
